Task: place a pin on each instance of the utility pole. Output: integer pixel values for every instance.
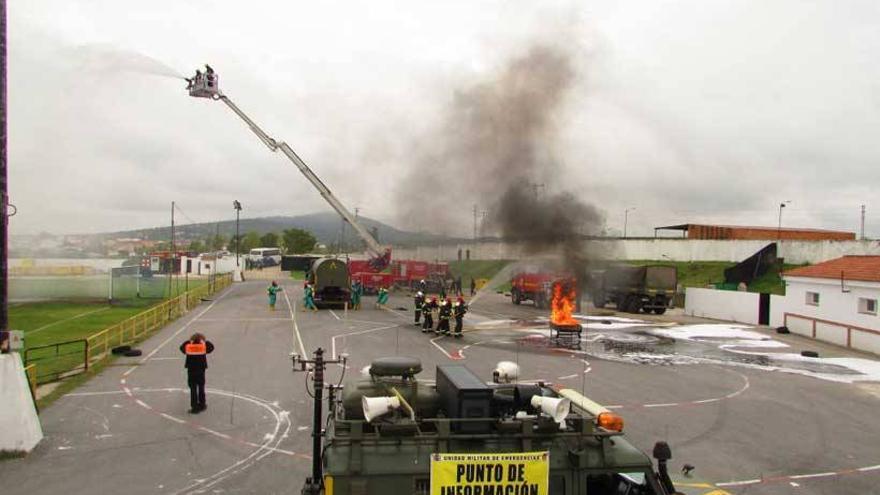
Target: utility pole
(626, 219)
(357, 213)
(4, 197)
(475, 223)
(314, 484)
(173, 253)
(862, 229)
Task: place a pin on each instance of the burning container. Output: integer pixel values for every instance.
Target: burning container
(565, 330)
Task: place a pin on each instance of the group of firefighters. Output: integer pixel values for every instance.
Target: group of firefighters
(445, 308)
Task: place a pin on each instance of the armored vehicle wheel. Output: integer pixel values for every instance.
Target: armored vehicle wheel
(633, 305)
(659, 311)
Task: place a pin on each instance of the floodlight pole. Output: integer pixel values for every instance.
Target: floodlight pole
(779, 226)
(4, 197)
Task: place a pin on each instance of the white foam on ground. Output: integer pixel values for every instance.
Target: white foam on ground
(742, 339)
(704, 332)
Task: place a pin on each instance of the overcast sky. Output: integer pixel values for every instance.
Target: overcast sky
(687, 111)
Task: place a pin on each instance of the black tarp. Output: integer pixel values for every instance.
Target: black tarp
(752, 267)
(297, 263)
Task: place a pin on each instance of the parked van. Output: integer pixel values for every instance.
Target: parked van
(265, 256)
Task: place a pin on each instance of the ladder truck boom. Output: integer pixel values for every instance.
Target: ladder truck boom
(205, 85)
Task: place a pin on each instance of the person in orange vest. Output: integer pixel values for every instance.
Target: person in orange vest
(196, 349)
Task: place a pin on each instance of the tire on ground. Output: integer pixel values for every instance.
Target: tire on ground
(133, 353)
(811, 354)
(659, 311)
(122, 349)
(782, 330)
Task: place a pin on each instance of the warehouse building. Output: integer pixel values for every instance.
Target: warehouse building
(752, 233)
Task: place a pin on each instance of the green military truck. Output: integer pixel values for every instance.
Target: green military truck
(460, 435)
(634, 288)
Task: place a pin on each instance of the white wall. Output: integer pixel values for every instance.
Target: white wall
(725, 305)
(655, 249)
(20, 429)
(836, 315)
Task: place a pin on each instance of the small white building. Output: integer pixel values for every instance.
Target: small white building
(834, 301)
(209, 264)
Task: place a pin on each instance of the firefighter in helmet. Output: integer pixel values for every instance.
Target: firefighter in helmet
(428, 312)
(443, 315)
(419, 301)
(458, 310)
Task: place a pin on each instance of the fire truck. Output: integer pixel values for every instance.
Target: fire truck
(400, 273)
(536, 286)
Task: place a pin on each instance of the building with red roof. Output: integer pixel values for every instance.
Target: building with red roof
(835, 301)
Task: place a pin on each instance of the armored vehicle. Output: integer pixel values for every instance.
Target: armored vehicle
(635, 288)
(392, 433)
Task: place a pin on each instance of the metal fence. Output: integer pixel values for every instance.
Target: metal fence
(58, 360)
(64, 359)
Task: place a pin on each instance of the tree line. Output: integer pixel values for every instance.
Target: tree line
(290, 241)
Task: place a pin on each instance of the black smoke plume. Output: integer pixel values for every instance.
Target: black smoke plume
(497, 147)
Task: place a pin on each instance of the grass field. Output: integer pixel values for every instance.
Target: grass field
(47, 322)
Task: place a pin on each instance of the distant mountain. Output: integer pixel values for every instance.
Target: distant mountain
(325, 226)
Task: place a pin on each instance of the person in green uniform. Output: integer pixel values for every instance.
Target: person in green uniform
(382, 300)
(273, 291)
(309, 297)
(357, 290)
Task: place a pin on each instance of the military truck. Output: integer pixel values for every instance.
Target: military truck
(634, 288)
(389, 432)
(330, 279)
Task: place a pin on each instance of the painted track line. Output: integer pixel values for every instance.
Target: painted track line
(740, 391)
(297, 335)
(457, 357)
(777, 479)
(361, 332)
(31, 332)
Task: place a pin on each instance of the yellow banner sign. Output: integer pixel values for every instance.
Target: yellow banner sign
(526, 473)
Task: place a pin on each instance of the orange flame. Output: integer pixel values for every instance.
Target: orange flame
(563, 306)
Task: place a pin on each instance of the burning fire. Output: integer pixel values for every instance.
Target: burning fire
(563, 305)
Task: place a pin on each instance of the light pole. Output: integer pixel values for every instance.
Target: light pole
(626, 219)
(237, 206)
(779, 227)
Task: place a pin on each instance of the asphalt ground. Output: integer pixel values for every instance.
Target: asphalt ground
(746, 430)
